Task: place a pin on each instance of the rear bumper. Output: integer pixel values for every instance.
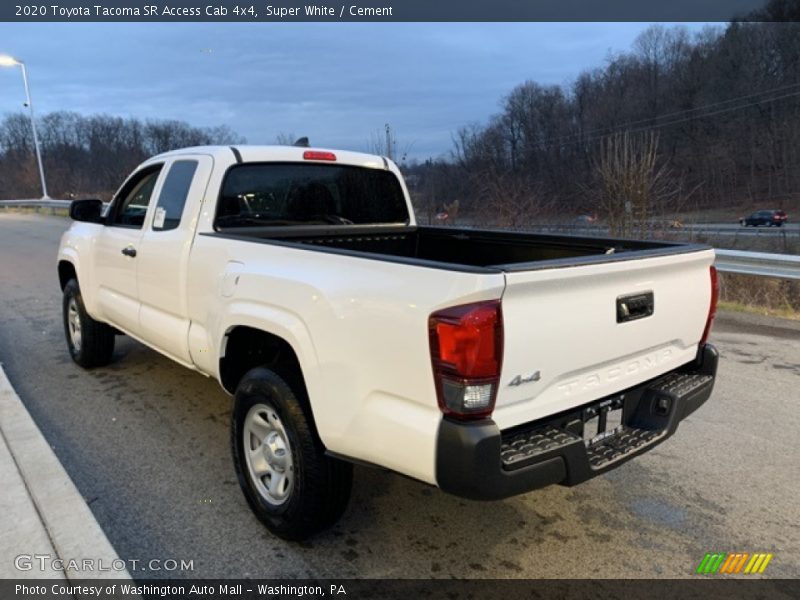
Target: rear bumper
(478, 461)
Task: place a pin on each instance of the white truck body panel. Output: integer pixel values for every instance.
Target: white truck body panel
(362, 339)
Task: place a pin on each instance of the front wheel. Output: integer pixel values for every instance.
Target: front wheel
(291, 485)
(90, 342)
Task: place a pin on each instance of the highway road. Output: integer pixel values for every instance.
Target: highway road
(788, 227)
(146, 442)
(726, 230)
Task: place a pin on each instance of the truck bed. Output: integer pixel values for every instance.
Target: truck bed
(461, 249)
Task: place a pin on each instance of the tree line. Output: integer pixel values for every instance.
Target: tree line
(89, 155)
(680, 122)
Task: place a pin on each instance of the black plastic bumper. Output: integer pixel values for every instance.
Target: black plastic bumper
(476, 460)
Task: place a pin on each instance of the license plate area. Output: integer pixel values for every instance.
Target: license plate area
(602, 420)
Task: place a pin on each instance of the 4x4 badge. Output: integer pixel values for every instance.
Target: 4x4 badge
(519, 379)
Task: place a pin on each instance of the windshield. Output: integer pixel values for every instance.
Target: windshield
(285, 194)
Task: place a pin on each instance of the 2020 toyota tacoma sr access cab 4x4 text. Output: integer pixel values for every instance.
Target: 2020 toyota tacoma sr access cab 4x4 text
(486, 363)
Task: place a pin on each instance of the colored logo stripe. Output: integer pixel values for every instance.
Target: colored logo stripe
(758, 563)
(734, 562)
(711, 562)
(721, 562)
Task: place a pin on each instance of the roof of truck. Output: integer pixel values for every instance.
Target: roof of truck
(250, 153)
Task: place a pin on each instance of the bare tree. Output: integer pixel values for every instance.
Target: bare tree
(633, 184)
(285, 139)
(723, 102)
(90, 155)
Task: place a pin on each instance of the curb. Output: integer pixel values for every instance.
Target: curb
(73, 531)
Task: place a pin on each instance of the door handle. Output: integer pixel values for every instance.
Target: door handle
(129, 251)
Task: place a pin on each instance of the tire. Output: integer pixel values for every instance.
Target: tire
(90, 342)
(291, 485)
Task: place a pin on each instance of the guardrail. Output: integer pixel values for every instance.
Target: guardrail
(762, 264)
(49, 203)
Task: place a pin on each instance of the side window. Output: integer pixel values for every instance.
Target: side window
(134, 199)
(173, 195)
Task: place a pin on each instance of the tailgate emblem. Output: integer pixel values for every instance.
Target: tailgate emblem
(519, 379)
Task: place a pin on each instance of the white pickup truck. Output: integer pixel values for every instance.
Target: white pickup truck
(486, 363)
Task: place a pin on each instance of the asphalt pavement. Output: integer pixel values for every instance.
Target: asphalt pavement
(146, 443)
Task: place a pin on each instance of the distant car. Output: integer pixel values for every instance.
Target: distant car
(586, 219)
(770, 218)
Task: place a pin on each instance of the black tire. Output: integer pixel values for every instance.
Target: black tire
(94, 345)
(320, 488)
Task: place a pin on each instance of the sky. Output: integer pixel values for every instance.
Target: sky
(338, 84)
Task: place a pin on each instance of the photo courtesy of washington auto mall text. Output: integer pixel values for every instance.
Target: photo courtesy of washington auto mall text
(386, 300)
(176, 589)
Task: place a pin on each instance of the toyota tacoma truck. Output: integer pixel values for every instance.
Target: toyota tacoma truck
(487, 363)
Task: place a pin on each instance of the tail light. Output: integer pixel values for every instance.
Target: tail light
(467, 354)
(318, 155)
(712, 308)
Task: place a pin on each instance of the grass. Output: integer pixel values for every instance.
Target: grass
(760, 295)
(783, 313)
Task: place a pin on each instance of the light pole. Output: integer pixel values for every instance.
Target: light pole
(10, 61)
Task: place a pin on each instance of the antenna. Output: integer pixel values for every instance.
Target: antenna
(302, 142)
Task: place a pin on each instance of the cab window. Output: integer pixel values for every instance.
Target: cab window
(174, 192)
(131, 204)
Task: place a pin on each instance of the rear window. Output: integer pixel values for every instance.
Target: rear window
(286, 194)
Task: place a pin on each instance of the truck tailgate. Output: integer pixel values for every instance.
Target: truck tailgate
(569, 339)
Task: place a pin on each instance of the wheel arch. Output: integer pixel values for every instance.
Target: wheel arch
(66, 271)
(246, 347)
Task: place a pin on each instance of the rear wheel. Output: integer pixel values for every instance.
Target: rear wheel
(292, 486)
(90, 342)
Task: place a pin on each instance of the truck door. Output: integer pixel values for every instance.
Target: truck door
(117, 250)
(163, 255)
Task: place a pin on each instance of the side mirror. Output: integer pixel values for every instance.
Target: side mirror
(88, 211)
